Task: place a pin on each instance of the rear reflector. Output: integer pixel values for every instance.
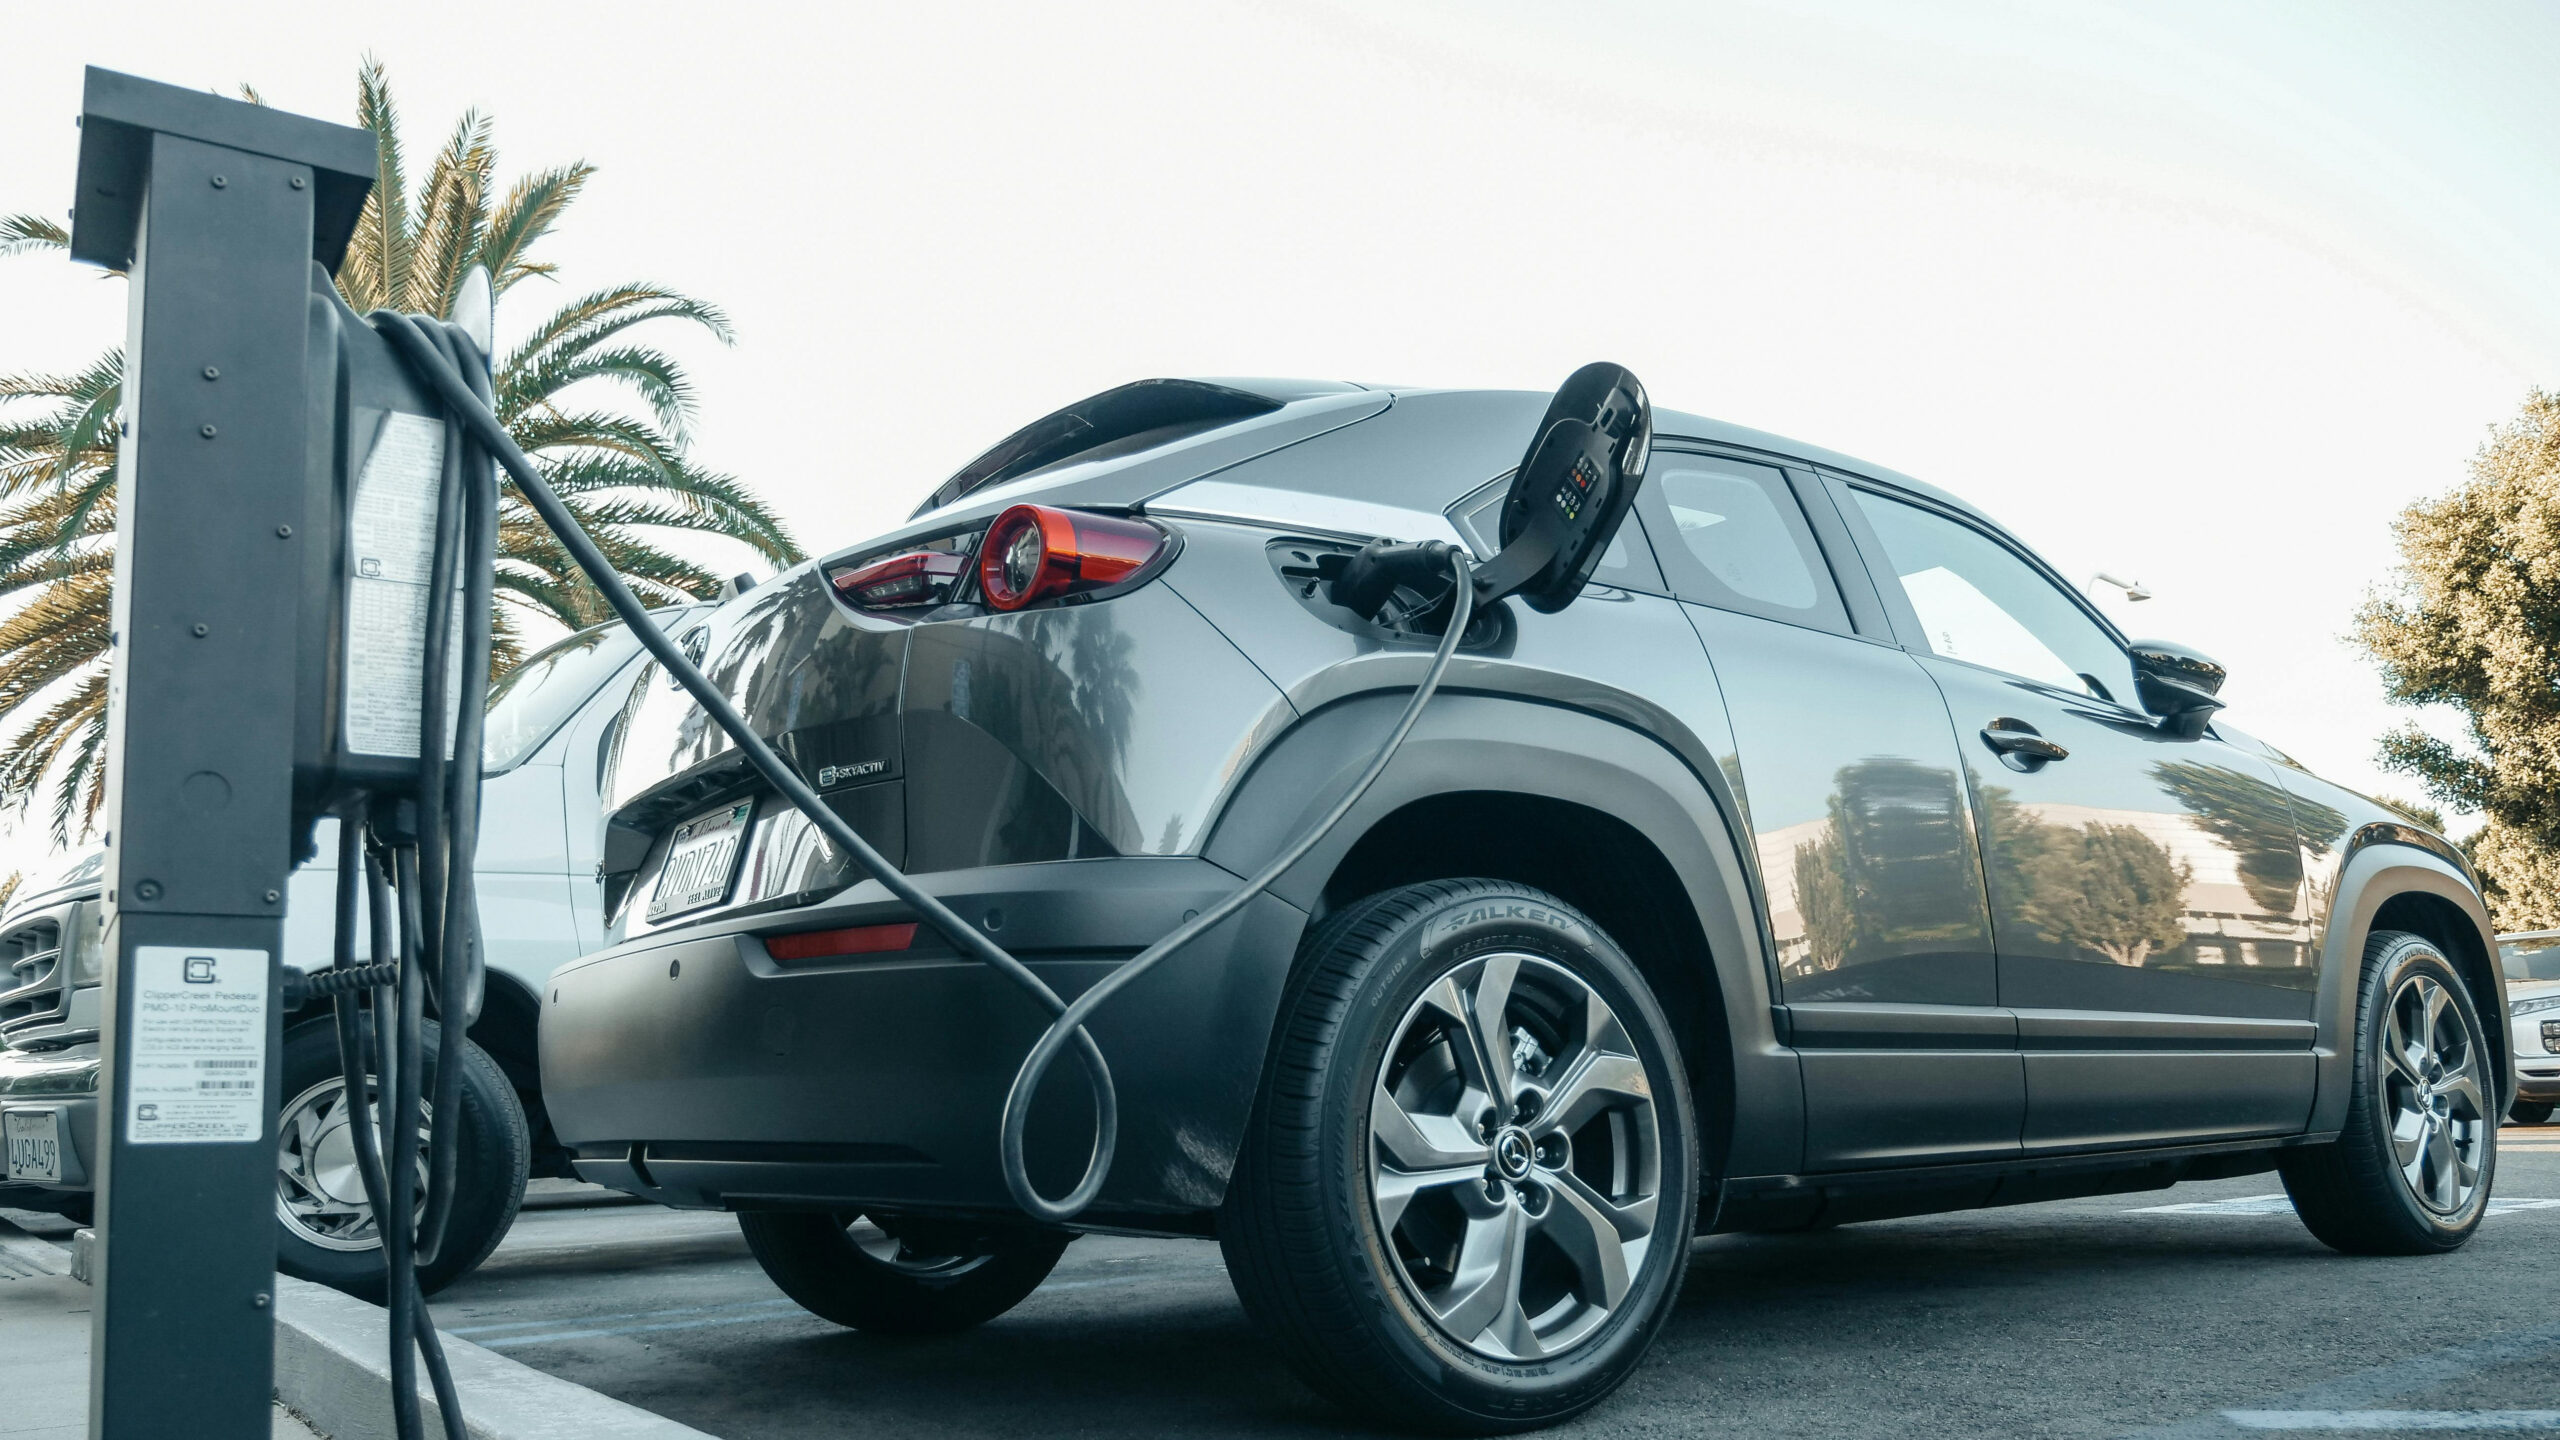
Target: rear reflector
(917, 579)
(826, 944)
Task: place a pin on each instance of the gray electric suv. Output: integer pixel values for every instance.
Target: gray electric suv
(1829, 859)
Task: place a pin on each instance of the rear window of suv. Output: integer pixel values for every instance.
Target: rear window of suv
(2537, 961)
(537, 697)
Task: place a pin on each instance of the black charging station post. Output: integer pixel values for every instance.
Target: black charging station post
(217, 209)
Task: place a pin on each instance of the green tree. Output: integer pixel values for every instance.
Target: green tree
(2112, 889)
(2106, 888)
(1823, 901)
(2473, 623)
(2254, 819)
(621, 467)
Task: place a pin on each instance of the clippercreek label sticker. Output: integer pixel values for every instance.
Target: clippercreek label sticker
(199, 1073)
(391, 541)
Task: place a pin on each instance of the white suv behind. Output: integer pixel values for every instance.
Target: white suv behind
(2530, 961)
(542, 904)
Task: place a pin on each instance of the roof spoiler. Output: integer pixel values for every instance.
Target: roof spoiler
(1096, 421)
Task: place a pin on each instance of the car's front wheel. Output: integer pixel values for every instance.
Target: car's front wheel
(2409, 1173)
(2530, 1112)
(327, 1228)
(1466, 1195)
(900, 1275)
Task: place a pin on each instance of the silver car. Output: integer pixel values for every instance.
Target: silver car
(2530, 962)
(541, 905)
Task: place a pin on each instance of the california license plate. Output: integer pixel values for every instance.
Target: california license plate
(702, 858)
(34, 1142)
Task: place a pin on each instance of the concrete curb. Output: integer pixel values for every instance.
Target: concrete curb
(333, 1370)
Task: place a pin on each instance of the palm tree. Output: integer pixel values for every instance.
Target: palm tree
(623, 470)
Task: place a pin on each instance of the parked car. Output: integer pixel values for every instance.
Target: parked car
(2530, 961)
(1830, 859)
(540, 904)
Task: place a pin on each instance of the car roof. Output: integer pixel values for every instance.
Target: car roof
(1429, 447)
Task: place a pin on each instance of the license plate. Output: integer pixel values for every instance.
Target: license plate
(702, 858)
(34, 1141)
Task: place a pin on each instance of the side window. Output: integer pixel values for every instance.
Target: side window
(1737, 540)
(1978, 602)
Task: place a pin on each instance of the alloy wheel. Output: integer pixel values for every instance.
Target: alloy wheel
(2437, 1106)
(918, 1247)
(319, 1189)
(1515, 1159)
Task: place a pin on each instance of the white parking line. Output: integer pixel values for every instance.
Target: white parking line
(2347, 1395)
(479, 1330)
(589, 1327)
(2509, 1422)
(509, 1342)
(2278, 1204)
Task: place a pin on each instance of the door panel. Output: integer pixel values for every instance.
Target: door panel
(2130, 873)
(1864, 843)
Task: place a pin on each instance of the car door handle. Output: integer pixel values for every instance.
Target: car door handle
(2017, 737)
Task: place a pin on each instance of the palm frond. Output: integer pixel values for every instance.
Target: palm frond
(452, 210)
(652, 374)
(590, 319)
(617, 452)
(526, 216)
(377, 260)
(19, 233)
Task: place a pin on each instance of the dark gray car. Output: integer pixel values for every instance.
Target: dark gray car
(1829, 859)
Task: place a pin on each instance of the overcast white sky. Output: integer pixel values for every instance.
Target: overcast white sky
(2193, 292)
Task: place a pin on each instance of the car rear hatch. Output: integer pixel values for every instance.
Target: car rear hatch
(691, 831)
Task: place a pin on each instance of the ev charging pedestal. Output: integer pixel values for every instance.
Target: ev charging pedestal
(218, 209)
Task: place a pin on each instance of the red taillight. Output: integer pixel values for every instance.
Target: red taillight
(917, 578)
(1034, 553)
(827, 944)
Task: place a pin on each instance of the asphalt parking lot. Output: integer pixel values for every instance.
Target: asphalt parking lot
(2218, 1315)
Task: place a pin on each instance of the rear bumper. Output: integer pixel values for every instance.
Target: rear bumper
(693, 1069)
(64, 1082)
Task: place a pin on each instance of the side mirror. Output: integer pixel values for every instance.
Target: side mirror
(2177, 684)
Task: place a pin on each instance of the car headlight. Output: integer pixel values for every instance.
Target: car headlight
(83, 943)
(2535, 1006)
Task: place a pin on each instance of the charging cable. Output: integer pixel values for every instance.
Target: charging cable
(433, 363)
(413, 855)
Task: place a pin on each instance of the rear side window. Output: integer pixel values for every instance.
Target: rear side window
(1730, 534)
(1978, 602)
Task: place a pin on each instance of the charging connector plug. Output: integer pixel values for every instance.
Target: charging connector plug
(1364, 582)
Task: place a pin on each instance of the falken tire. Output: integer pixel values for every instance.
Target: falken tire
(494, 1159)
(900, 1277)
(2396, 1181)
(1331, 1252)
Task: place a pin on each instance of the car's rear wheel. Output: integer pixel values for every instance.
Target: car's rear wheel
(900, 1275)
(2410, 1171)
(1465, 1198)
(2530, 1112)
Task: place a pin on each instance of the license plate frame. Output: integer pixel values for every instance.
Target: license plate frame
(32, 1141)
(703, 855)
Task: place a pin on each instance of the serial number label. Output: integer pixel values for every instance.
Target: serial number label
(199, 1070)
